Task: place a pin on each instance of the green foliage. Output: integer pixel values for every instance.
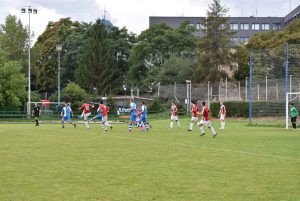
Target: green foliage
(13, 38)
(243, 58)
(176, 69)
(75, 94)
(12, 86)
(98, 66)
(156, 106)
(233, 109)
(291, 34)
(154, 46)
(214, 47)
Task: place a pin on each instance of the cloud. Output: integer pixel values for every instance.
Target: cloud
(134, 14)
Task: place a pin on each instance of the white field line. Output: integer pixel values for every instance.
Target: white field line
(202, 147)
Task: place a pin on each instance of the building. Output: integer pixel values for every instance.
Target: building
(244, 27)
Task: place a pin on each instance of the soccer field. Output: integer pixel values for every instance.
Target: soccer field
(241, 163)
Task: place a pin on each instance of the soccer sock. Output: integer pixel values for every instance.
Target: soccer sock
(171, 124)
(294, 125)
(213, 130)
(62, 123)
(191, 126)
(222, 124)
(130, 127)
(36, 122)
(201, 129)
(178, 124)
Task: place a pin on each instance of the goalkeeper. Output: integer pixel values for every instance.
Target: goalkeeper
(294, 114)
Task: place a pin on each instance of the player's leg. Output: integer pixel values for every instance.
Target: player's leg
(132, 121)
(177, 121)
(192, 123)
(222, 119)
(36, 121)
(202, 132)
(63, 122)
(293, 120)
(208, 124)
(171, 123)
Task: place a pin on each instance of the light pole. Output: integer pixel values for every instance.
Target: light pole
(58, 49)
(29, 11)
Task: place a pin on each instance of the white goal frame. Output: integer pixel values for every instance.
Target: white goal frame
(287, 101)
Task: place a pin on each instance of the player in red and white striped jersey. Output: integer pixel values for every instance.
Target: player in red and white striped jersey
(174, 115)
(195, 112)
(222, 115)
(205, 121)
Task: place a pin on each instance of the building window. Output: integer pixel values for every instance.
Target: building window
(245, 40)
(255, 26)
(244, 26)
(234, 40)
(276, 27)
(199, 26)
(265, 26)
(234, 26)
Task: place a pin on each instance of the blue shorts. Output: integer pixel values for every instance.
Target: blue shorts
(143, 118)
(98, 117)
(133, 117)
(66, 119)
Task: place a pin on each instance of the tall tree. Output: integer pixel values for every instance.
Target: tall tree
(14, 38)
(98, 71)
(156, 45)
(12, 84)
(215, 51)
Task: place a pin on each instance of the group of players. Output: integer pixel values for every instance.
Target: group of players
(205, 120)
(138, 117)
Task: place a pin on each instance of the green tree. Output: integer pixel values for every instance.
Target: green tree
(215, 51)
(176, 69)
(46, 62)
(12, 84)
(243, 59)
(74, 94)
(13, 40)
(154, 46)
(98, 67)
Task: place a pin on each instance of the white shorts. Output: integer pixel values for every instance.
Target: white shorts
(104, 119)
(174, 118)
(86, 115)
(194, 119)
(222, 117)
(206, 123)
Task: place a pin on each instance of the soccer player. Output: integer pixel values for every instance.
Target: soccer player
(36, 110)
(195, 112)
(205, 121)
(222, 115)
(86, 107)
(104, 111)
(294, 114)
(174, 115)
(144, 123)
(132, 115)
(66, 115)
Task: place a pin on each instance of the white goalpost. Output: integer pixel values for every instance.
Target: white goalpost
(289, 98)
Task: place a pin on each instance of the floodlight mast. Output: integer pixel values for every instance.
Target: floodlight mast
(30, 10)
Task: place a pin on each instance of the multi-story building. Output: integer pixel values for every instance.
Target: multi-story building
(244, 27)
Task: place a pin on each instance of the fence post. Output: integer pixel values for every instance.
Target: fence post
(246, 88)
(226, 88)
(250, 101)
(266, 87)
(239, 91)
(258, 92)
(287, 69)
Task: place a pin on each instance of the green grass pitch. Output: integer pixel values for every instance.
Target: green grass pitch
(242, 163)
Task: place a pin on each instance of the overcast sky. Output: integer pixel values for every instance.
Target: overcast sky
(134, 14)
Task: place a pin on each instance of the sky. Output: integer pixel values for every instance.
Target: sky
(134, 14)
